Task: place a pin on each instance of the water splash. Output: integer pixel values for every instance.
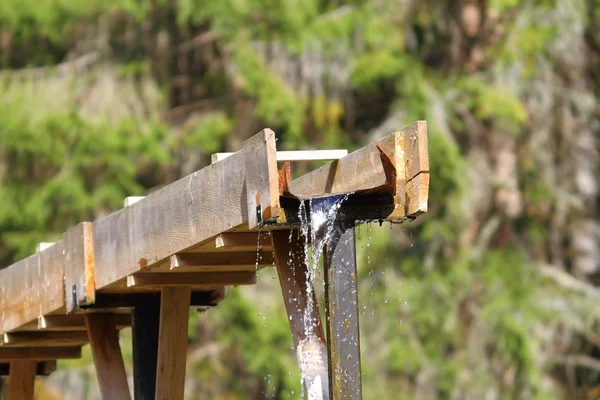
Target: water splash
(317, 223)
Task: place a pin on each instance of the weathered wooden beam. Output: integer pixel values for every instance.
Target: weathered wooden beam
(302, 310)
(381, 168)
(20, 298)
(417, 168)
(181, 215)
(234, 242)
(172, 342)
(215, 262)
(190, 279)
(262, 179)
(21, 380)
(243, 241)
(43, 368)
(341, 298)
(296, 155)
(106, 352)
(39, 353)
(80, 282)
(144, 330)
(42, 338)
(76, 322)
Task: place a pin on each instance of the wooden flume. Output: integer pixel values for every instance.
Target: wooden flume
(144, 265)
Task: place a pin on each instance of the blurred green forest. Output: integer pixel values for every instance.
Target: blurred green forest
(491, 295)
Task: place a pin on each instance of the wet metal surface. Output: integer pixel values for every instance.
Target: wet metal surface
(341, 296)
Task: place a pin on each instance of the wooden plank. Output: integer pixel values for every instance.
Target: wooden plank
(415, 145)
(39, 353)
(80, 286)
(179, 216)
(20, 293)
(247, 241)
(52, 280)
(360, 170)
(76, 322)
(21, 380)
(191, 279)
(417, 168)
(417, 194)
(43, 368)
(311, 348)
(172, 343)
(31, 287)
(33, 339)
(368, 170)
(262, 179)
(242, 241)
(199, 261)
(106, 352)
(296, 155)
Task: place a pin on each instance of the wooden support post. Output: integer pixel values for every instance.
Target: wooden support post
(172, 342)
(311, 349)
(104, 341)
(144, 328)
(341, 295)
(21, 379)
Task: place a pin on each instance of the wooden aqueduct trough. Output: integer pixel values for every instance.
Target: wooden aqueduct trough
(146, 264)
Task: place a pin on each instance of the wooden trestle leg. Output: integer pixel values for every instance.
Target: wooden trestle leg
(172, 342)
(311, 348)
(341, 296)
(21, 380)
(106, 352)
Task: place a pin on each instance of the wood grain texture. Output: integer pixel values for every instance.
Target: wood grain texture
(20, 293)
(172, 343)
(224, 260)
(106, 352)
(191, 279)
(21, 380)
(80, 287)
(250, 241)
(39, 353)
(44, 339)
(75, 322)
(359, 170)
(52, 279)
(262, 178)
(417, 168)
(170, 220)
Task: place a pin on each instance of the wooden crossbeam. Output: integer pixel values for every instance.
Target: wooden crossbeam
(42, 338)
(215, 262)
(191, 279)
(39, 353)
(76, 322)
(172, 342)
(243, 242)
(106, 352)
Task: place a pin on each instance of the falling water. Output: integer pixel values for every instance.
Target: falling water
(317, 221)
